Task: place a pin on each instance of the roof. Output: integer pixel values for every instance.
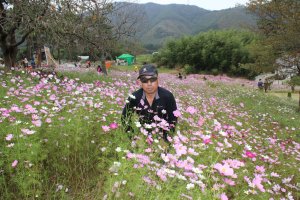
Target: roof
(126, 56)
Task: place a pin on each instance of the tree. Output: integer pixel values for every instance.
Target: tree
(215, 51)
(279, 22)
(295, 81)
(97, 23)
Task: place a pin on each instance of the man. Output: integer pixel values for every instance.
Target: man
(152, 103)
(260, 84)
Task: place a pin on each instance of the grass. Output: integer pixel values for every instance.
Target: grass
(281, 109)
(294, 96)
(75, 153)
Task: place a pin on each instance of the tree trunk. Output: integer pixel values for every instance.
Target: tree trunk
(9, 50)
(10, 56)
(58, 55)
(299, 100)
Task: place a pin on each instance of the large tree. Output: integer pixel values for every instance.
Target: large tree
(279, 22)
(93, 23)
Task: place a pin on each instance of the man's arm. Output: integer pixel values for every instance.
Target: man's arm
(172, 120)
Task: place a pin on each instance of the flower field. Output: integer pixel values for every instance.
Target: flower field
(61, 138)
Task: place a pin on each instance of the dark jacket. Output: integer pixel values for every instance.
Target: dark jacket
(163, 106)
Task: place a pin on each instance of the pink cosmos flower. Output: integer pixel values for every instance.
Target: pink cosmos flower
(48, 120)
(223, 196)
(260, 169)
(143, 159)
(206, 141)
(180, 149)
(156, 118)
(191, 110)
(14, 164)
(113, 125)
(149, 140)
(148, 180)
(249, 154)
(37, 123)
(105, 128)
(148, 150)
(201, 121)
(177, 113)
(224, 169)
(239, 123)
(229, 181)
(27, 131)
(192, 152)
(257, 182)
(274, 174)
(161, 174)
(130, 155)
(9, 137)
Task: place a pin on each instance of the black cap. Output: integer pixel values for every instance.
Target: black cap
(148, 70)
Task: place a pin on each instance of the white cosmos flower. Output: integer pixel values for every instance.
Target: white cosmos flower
(170, 171)
(118, 149)
(197, 170)
(148, 126)
(138, 124)
(190, 186)
(181, 177)
(132, 96)
(247, 146)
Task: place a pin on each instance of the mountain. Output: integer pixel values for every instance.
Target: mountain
(161, 22)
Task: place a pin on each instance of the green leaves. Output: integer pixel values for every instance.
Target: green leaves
(218, 50)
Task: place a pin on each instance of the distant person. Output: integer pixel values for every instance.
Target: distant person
(136, 68)
(88, 64)
(32, 63)
(179, 76)
(103, 68)
(25, 61)
(260, 84)
(99, 70)
(267, 85)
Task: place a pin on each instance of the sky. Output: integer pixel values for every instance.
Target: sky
(206, 4)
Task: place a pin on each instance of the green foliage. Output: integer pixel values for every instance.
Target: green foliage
(144, 58)
(188, 69)
(295, 80)
(278, 22)
(215, 51)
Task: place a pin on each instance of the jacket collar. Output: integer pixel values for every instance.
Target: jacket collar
(156, 95)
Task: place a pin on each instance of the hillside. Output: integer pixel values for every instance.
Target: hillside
(175, 20)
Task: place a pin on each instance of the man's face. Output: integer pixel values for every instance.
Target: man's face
(149, 84)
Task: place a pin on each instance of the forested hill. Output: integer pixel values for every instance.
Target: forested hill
(175, 20)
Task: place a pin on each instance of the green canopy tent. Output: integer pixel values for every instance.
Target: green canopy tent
(129, 58)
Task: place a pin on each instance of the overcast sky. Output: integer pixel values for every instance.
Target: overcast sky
(206, 4)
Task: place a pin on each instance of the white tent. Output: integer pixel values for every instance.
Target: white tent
(83, 57)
